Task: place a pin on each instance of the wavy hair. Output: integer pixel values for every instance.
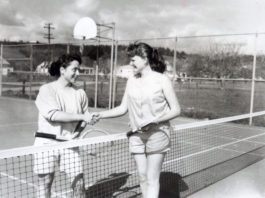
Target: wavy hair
(144, 50)
(63, 61)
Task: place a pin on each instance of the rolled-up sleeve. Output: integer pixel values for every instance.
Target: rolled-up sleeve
(46, 102)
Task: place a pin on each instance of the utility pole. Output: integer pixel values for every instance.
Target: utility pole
(49, 27)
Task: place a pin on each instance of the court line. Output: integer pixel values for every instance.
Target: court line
(13, 178)
(214, 148)
(225, 137)
(18, 124)
(225, 149)
(241, 127)
(19, 180)
(17, 99)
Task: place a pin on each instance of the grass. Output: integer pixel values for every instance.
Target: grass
(199, 99)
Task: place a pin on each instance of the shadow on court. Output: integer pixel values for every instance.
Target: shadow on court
(111, 187)
(171, 184)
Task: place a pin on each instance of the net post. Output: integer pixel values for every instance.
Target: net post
(253, 78)
(1, 70)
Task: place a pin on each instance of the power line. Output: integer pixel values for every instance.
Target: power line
(49, 35)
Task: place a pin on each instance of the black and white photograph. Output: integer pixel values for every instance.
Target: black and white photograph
(132, 99)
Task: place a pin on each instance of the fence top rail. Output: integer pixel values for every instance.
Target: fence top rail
(199, 36)
(130, 40)
(221, 79)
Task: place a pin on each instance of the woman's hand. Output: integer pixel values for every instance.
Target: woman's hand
(68, 137)
(90, 118)
(96, 116)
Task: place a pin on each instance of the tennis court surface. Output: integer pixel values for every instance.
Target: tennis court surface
(201, 154)
(247, 183)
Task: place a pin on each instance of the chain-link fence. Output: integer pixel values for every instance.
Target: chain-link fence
(214, 76)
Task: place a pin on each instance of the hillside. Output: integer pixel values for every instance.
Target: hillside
(195, 65)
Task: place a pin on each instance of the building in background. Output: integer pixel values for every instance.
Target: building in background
(43, 67)
(124, 71)
(6, 67)
(86, 70)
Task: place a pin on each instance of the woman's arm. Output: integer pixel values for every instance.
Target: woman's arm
(117, 111)
(48, 107)
(172, 100)
(79, 128)
(60, 116)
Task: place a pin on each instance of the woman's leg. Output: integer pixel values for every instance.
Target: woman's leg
(45, 185)
(154, 166)
(141, 163)
(78, 187)
(71, 164)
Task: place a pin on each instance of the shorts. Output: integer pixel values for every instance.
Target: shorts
(68, 160)
(156, 139)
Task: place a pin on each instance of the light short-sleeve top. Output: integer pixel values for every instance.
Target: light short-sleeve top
(53, 98)
(145, 99)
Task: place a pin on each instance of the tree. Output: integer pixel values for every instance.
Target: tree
(221, 60)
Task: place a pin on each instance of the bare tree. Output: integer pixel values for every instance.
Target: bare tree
(219, 61)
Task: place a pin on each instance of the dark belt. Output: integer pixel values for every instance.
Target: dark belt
(142, 130)
(45, 135)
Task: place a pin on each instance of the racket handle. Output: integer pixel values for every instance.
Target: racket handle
(80, 126)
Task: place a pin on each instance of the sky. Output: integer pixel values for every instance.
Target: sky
(134, 19)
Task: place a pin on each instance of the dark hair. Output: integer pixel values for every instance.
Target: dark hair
(144, 50)
(63, 61)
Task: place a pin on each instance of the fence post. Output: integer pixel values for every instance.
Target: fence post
(31, 72)
(115, 76)
(175, 60)
(1, 70)
(96, 87)
(111, 65)
(68, 48)
(253, 78)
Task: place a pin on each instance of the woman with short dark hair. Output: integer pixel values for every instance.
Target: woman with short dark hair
(62, 108)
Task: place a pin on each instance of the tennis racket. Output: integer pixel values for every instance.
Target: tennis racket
(96, 150)
(93, 132)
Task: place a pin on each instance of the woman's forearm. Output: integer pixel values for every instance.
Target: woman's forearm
(61, 116)
(170, 115)
(115, 112)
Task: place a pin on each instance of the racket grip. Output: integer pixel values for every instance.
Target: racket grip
(83, 124)
(80, 126)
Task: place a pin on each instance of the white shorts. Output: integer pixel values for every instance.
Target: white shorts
(154, 140)
(68, 160)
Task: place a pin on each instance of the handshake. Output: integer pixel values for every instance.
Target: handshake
(91, 118)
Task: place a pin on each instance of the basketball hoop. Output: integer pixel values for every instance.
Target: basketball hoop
(85, 28)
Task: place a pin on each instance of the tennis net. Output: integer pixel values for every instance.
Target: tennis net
(201, 154)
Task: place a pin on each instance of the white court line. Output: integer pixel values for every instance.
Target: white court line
(241, 126)
(19, 180)
(18, 124)
(54, 194)
(225, 149)
(230, 138)
(214, 148)
(16, 99)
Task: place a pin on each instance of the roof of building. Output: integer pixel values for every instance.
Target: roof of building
(5, 62)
